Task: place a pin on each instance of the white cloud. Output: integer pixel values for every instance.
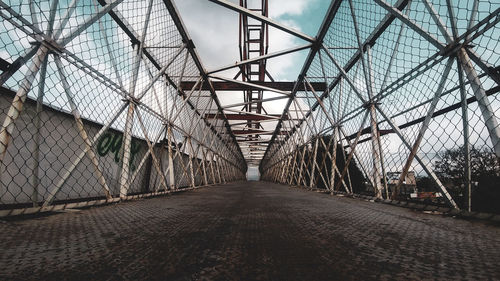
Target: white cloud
(215, 32)
(278, 8)
(213, 29)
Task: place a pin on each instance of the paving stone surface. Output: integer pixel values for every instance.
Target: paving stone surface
(248, 231)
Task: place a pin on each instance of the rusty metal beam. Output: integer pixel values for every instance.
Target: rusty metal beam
(231, 86)
(256, 132)
(244, 116)
(257, 142)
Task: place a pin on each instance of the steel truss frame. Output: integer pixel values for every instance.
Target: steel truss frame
(337, 94)
(285, 161)
(212, 155)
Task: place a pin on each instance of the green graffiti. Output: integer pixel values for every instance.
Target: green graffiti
(110, 142)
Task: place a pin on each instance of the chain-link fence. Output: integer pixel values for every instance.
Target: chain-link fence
(92, 109)
(411, 109)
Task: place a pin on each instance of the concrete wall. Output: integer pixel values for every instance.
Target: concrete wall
(60, 144)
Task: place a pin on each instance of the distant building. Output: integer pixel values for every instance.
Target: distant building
(408, 186)
(393, 178)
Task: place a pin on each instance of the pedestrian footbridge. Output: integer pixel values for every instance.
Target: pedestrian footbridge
(124, 156)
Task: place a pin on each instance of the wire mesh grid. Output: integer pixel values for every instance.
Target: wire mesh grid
(412, 100)
(92, 107)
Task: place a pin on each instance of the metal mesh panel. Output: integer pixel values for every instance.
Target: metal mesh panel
(92, 104)
(412, 100)
(92, 108)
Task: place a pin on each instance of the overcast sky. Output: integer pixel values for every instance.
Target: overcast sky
(214, 30)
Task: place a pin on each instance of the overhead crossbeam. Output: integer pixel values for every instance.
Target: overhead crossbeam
(256, 132)
(261, 58)
(285, 86)
(254, 101)
(252, 85)
(254, 141)
(252, 117)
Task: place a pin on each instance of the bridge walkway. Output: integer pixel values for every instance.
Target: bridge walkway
(248, 231)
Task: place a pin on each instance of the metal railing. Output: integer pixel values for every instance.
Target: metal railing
(92, 109)
(411, 108)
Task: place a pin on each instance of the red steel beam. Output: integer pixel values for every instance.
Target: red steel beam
(257, 132)
(230, 86)
(245, 117)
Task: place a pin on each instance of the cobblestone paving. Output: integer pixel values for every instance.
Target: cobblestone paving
(248, 231)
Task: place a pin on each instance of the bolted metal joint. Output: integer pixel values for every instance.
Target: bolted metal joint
(451, 49)
(130, 99)
(52, 46)
(370, 103)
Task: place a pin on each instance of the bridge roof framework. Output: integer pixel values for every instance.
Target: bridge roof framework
(106, 100)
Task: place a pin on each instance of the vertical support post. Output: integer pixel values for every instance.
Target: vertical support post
(214, 181)
(217, 167)
(299, 180)
(348, 174)
(489, 117)
(285, 168)
(311, 182)
(377, 155)
(34, 18)
(333, 157)
(127, 141)
(127, 134)
(223, 169)
(465, 126)
(36, 149)
(294, 163)
(18, 102)
(191, 156)
(170, 158)
(204, 166)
